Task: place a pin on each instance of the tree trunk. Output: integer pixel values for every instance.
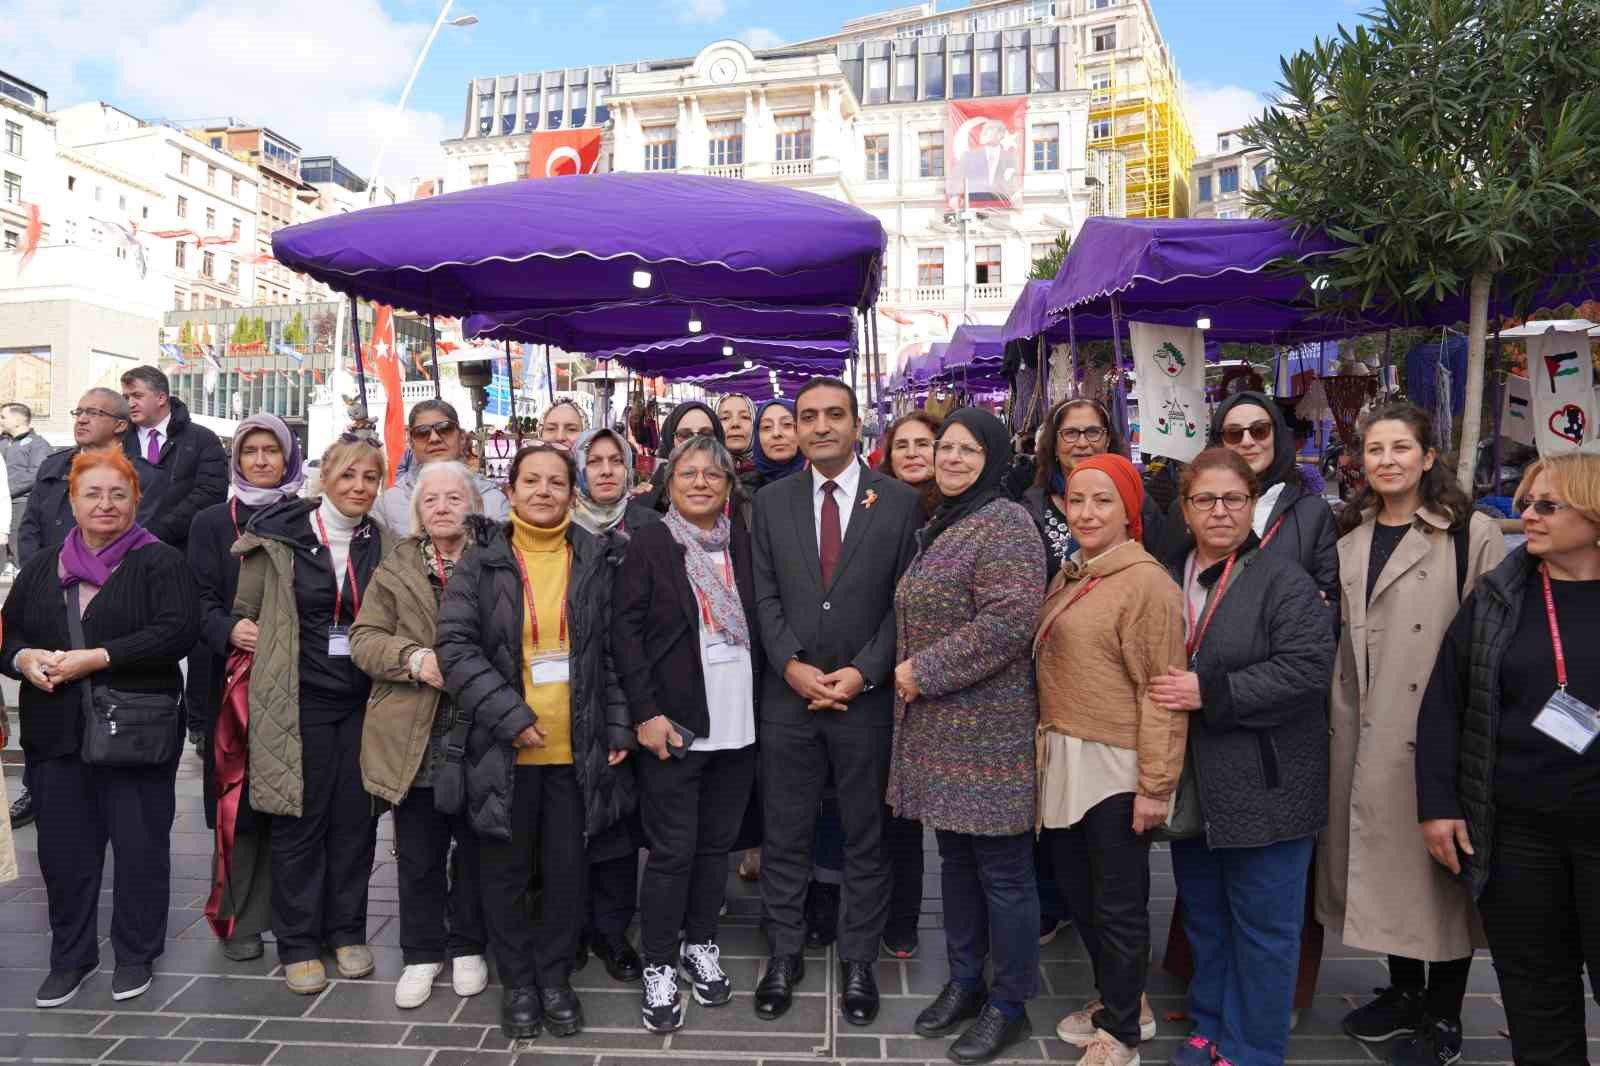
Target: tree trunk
(1472, 415)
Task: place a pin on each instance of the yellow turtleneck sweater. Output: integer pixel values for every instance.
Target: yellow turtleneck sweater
(544, 554)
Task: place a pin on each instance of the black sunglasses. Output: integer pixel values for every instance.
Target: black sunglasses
(1542, 508)
(423, 430)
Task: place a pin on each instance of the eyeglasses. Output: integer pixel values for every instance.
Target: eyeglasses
(1259, 431)
(92, 412)
(950, 449)
(1094, 434)
(1207, 501)
(428, 429)
(712, 476)
(681, 435)
(1543, 508)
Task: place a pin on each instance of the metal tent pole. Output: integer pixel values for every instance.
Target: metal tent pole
(1119, 394)
(1498, 377)
(355, 341)
(511, 396)
(433, 339)
(549, 376)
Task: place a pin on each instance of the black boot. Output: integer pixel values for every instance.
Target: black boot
(520, 1013)
(563, 1014)
(953, 1005)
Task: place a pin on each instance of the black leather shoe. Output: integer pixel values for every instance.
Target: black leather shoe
(953, 1005)
(987, 1037)
(859, 996)
(622, 962)
(22, 810)
(775, 993)
(520, 1013)
(563, 1014)
(822, 914)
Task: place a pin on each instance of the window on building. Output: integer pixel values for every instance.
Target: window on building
(12, 239)
(183, 207)
(1100, 129)
(13, 188)
(71, 231)
(1100, 86)
(14, 138)
(1039, 10)
(877, 87)
(211, 219)
(794, 137)
(876, 149)
(233, 188)
(1044, 69)
(478, 174)
(211, 303)
(177, 299)
(1228, 180)
(1016, 70)
(1227, 214)
(661, 148)
(930, 268)
(725, 144)
(960, 75)
(1047, 147)
(1204, 183)
(183, 162)
(932, 76)
(208, 264)
(180, 256)
(1039, 250)
(519, 169)
(99, 192)
(905, 77)
(233, 272)
(144, 212)
(237, 226)
(1103, 39)
(72, 182)
(211, 176)
(601, 111)
(194, 301)
(1099, 5)
(216, 142)
(1259, 172)
(930, 153)
(986, 264)
(580, 105)
(554, 102)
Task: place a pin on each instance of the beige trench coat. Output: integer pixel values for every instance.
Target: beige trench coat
(1377, 887)
(8, 846)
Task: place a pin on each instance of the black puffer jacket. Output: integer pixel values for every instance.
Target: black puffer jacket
(1260, 740)
(479, 643)
(1458, 724)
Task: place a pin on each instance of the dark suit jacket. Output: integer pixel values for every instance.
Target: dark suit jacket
(191, 476)
(849, 623)
(48, 517)
(655, 627)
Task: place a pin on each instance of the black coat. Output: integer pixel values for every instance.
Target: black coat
(48, 517)
(1152, 526)
(479, 643)
(1458, 724)
(146, 618)
(191, 476)
(655, 628)
(1259, 743)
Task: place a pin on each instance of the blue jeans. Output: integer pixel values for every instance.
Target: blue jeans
(1242, 909)
(991, 911)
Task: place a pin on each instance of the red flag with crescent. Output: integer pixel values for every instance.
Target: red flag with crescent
(553, 153)
(30, 236)
(386, 362)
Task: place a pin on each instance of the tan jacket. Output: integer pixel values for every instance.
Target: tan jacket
(397, 617)
(1096, 661)
(1377, 888)
(8, 847)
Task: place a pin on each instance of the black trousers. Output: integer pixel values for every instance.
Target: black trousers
(991, 912)
(904, 840)
(1443, 984)
(1103, 868)
(81, 807)
(795, 762)
(441, 911)
(1541, 911)
(613, 895)
(322, 860)
(692, 810)
(546, 829)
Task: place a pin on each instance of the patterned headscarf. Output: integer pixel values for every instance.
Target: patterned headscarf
(702, 551)
(599, 518)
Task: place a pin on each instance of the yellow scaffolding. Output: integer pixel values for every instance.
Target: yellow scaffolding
(1139, 117)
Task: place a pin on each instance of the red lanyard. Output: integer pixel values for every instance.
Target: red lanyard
(1083, 590)
(1273, 532)
(1216, 597)
(1555, 628)
(438, 564)
(705, 604)
(533, 608)
(338, 587)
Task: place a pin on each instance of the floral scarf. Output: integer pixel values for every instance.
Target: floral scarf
(702, 549)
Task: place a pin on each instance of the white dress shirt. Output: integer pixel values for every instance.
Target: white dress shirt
(1263, 509)
(145, 431)
(844, 495)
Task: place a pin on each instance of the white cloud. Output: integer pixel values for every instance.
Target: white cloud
(759, 37)
(702, 10)
(324, 73)
(1214, 108)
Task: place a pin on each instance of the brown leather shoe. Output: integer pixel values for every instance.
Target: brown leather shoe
(354, 960)
(306, 978)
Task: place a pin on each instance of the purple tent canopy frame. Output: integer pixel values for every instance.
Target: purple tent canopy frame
(606, 326)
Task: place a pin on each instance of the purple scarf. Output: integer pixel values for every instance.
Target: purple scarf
(79, 562)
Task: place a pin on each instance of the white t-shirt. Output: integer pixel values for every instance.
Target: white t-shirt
(730, 694)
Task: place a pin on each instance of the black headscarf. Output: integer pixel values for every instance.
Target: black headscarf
(990, 485)
(669, 431)
(1283, 451)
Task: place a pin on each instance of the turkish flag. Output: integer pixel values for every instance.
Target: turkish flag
(30, 236)
(386, 363)
(557, 152)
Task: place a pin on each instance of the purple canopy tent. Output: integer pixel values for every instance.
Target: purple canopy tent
(601, 327)
(705, 353)
(757, 382)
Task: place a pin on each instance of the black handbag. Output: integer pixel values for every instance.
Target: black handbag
(123, 728)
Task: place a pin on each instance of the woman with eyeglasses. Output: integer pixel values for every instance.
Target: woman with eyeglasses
(1256, 689)
(964, 721)
(436, 436)
(688, 419)
(563, 423)
(1075, 430)
(523, 644)
(777, 447)
(1413, 548)
(1508, 774)
(304, 567)
(908, 455)
(266, 469)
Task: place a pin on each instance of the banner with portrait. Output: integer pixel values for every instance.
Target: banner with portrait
(1171, 365)
(1561, 374)
(984, 148)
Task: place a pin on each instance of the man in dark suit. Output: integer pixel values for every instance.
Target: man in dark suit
(181, 464)
(99, 421)
(830, 546)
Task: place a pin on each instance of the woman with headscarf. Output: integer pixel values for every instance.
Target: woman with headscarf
(266, 467)
(562, 424)
(776, 448)
(964, 721)
(604, 504)
(689, 419)
(737, 413)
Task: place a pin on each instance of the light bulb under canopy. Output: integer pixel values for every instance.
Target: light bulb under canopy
(1202, 323)
(641, 279)
(727, 350)
(695, 325)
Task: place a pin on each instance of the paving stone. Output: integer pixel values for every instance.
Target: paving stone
(232, 1052)
(71, 1048)
(138, 1025)
(446, 1036)
(201, 954)
(922, 1049)
(240, 995)
(684, 1040)
(455, 1057)
(600, 1040)
(346, 1055)
(218, 1028)
(150, 1049)
(858, 1047)
(301, 1031)
(59, 1022)
(370, 1000)
(25, 950)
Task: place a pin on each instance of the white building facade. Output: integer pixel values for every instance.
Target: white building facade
(1221, 180)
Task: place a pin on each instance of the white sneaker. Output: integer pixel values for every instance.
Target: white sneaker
(469, 974)
(416, 984)
(1078, 1028)
(1106, 1050)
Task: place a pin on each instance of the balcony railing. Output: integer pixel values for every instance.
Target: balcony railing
(791, 168)
(928, 294)
(729, 170)
(988, 294)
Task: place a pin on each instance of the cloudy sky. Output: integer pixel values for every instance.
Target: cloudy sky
(328, 73)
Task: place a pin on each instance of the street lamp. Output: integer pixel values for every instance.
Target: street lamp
(405, 94)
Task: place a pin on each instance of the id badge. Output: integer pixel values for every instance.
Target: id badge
(719, 652)
(1568, 721)
(551, 671)
(339, 642)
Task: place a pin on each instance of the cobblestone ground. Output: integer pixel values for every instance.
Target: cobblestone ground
(205, 1009)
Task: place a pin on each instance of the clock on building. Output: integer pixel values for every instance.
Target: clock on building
(724, 70)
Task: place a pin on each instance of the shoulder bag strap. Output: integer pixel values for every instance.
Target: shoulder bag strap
(75, 631)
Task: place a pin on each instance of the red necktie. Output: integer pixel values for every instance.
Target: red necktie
(152, 451)
(830, 539)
